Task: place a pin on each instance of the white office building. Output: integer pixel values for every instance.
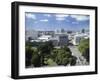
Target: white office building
(57, 40)
(44, 38)
(78, 37)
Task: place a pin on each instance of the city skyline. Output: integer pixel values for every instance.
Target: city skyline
(53, 21)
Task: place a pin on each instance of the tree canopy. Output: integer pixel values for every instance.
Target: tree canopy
(48, 55)
(84, 48)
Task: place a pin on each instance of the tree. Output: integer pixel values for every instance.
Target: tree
(63, 55)
(66, 49)
(36, 60)
(65, 61)
(86, 54)
(28, 55)
(50, 62)
(45, 50)
(84, 48)
(54, 53)
(73, 60)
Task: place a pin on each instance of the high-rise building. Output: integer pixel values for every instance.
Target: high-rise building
(62, 39)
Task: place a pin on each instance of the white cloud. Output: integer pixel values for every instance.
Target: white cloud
(48, 15)
(74, 22)
(29, 15)
(80, 17)
(44, 20)
(61, 17)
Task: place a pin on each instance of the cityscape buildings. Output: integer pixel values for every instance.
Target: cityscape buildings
(58, 37)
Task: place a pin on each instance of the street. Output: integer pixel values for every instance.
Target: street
(80, 59)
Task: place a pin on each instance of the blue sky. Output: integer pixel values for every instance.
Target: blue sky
(53, 21)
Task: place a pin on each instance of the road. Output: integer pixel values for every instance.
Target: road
(80, 59)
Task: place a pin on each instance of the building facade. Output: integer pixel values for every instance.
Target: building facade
(78, 37)
(31, 35)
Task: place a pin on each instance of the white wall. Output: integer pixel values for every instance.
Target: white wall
(5, 40)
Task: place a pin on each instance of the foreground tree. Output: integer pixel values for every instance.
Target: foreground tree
(63, 56)
(84, 48)
(36, 60)
(28, 55)
(45, 51)
(72, 60)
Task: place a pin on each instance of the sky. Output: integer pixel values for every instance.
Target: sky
(56, 21)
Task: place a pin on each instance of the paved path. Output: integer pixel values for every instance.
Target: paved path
(80, 59)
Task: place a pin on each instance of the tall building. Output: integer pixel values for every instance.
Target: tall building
(77, 39)
(62, 39)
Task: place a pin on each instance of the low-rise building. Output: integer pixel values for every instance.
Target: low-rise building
(78, 37)
(31, 34)
(44, 38)
(58, 39)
